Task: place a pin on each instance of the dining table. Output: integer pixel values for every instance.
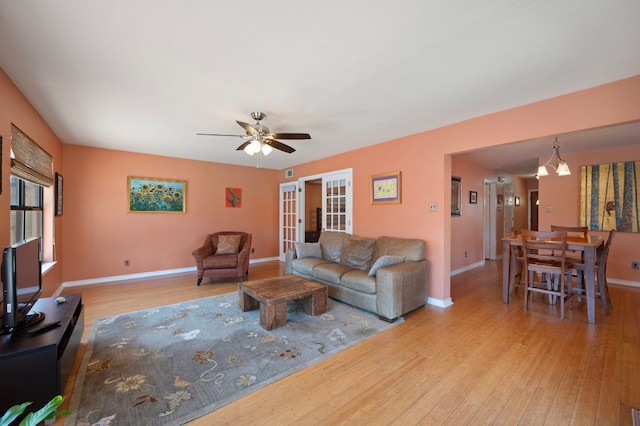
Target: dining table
(591, 246)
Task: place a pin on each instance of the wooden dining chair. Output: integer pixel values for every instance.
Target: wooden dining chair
(602, 288)
(574, 258)
(545, 266)
(515, 274)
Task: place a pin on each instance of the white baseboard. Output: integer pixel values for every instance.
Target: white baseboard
(143, 275)
(467, 268)
(623, 282)
(440, 303)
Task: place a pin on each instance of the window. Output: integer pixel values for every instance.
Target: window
(26, 209)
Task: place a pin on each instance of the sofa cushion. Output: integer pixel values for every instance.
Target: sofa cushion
(330, 272)
(228, 244)
(410, 249)
(357, 252)
(331, 243)
(304, 250)
(220, 261)
(382, 261)
(358, 280)
(305, 266)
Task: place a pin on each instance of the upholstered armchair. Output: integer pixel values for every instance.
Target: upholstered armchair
(223, 254)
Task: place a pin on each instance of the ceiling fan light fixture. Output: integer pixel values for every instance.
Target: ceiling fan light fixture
(253, 147)
(266, 149)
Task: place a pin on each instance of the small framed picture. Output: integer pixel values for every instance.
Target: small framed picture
(386, 188)
(473, 197)
(58, 189)
(500, 199)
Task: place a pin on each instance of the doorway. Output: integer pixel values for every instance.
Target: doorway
(313, 204)
(533, 209)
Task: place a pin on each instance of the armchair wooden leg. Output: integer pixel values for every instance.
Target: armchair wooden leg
(199, 280)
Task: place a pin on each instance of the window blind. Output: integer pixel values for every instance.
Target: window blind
(28, 160)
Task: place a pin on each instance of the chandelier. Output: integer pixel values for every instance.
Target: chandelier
(555, 162)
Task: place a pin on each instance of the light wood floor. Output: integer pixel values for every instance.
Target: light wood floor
(477, 362)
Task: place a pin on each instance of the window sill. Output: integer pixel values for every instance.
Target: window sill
(46, 267)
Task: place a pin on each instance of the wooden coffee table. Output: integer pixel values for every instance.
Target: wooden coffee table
(272, 295)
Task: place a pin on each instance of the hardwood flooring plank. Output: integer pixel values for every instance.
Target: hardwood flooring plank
(478, 362)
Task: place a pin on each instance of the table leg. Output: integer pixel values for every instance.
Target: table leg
(246, 302)
(506, 252)
(590, 284)
(316, 304)
(273, 315)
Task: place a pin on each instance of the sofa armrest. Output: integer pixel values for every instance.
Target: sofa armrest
(290, 255)
(401, 288)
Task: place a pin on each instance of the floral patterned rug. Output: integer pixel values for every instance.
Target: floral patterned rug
(172, 364)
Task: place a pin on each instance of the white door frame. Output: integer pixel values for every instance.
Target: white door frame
(300, 216)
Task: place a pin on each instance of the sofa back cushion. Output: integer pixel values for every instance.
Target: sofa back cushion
(410, 249)
(357, 252)
(331, 244)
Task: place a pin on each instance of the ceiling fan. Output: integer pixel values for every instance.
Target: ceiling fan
(260, 139)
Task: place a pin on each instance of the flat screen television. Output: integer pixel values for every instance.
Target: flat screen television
(21, 284)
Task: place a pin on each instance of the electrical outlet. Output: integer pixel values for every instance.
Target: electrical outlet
(433, 206)
(548, 209)
(635, 265)
(126, 262)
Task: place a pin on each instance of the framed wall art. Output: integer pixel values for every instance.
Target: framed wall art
(233, 197)
(456, 196)
(473, 197)
(609, 196)
(58, 189)
(151, 195)
(385, 188)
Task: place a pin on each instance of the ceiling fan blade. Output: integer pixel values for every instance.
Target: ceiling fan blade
(248, 127)
(244, 145)
(220, 134)
(291, 135)
(279, 145)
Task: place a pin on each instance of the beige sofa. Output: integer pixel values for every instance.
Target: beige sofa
(387, 276)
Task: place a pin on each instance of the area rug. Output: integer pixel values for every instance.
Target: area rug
(172, 364)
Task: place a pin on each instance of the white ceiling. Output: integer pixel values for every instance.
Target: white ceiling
(147, 75)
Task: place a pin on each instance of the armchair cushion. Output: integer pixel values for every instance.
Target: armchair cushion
(228, 244)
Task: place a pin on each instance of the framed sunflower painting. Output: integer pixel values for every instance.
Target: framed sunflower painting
(150, 195)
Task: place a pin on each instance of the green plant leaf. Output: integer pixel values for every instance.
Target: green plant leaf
(12, 413)
(33, 419)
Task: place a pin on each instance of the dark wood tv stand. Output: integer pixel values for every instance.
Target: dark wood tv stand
(36, 368)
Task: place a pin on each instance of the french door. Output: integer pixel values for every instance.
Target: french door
(288, 217)
(337, 200)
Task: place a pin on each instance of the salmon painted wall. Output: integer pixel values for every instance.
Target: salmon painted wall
(425, 162)
(562, 195)
(467, 230)
(16, 109)
(100, 234)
